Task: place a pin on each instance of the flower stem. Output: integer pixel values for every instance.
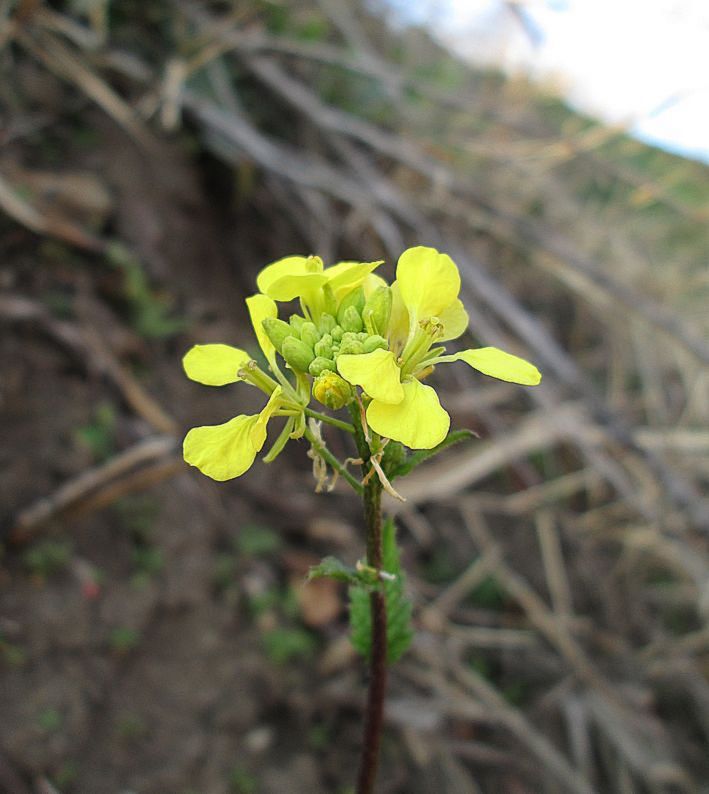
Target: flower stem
(333, 462)
(374, 716)
(330, 420)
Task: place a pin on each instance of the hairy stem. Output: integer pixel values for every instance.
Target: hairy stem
(374, 716)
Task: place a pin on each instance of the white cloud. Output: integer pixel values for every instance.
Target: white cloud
(641, 62)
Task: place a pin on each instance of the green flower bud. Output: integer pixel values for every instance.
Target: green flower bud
(351, 320)
(331, 390)
(297, 353)
(324, 347)
(327, 323)
(309, 334)
(337, 333)
(362, 336)
(329, 304)
(276, 331)
(351, 347)
(373, 343)
(296, 322)
(321, 364)
(354, 298)
(377, 311)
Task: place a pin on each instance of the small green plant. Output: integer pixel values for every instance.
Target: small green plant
(12, 655)
(65, 776)
(319, 737)
(253, 540)
(99, 434)
(130, 727)
(123, 639)
(265, 601)
(284, 645)
(368, 348)
(149, 312)
(138, 514)
(241, 781)
(50, 720)
(489, 594)
(47, 558)
(148, 560)
(224, 573)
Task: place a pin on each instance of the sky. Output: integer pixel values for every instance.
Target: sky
(641, 63)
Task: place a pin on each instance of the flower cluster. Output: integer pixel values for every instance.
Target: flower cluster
(353, 331)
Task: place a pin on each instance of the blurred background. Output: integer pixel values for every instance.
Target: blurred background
(156, 635)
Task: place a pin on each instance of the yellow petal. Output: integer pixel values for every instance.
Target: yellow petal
(418, 421)
(398, 320)
(346, 276)
(260, 307)
(429, 282)
(214, 365)
(376, 373)
(454, 320)
(291, 277)
(372, 283)
(274, 402)
(225, 451)
(498, 364)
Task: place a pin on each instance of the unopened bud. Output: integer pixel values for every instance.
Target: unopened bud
(320, 364)
(351, 320)
(351, 347)
(309, 334)
(377, 311)
(329, 304)
(326, 323)
(324, 347)
(337, 333)
(313, 264)
(354, 298)
(297, 353)
(277, 331)
(372, 343)
(332, 390)
(296, 322)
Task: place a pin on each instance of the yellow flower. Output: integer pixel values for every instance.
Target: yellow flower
(426, 311)
(356, 331)
(228, 450)
(320, 289)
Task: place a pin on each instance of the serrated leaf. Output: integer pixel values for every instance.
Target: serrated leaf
(333, 568)
(398, 607)
(399, 468)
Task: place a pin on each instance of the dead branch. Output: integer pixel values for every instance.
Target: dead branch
(81, 487)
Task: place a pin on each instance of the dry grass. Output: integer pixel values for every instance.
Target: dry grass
(578, 250)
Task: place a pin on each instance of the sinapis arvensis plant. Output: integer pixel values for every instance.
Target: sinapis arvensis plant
(369, 348)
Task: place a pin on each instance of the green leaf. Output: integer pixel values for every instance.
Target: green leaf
(398, 607)
(333, 568)
(397, 466)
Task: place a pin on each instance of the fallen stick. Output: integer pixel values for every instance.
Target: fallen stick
(29, 520)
